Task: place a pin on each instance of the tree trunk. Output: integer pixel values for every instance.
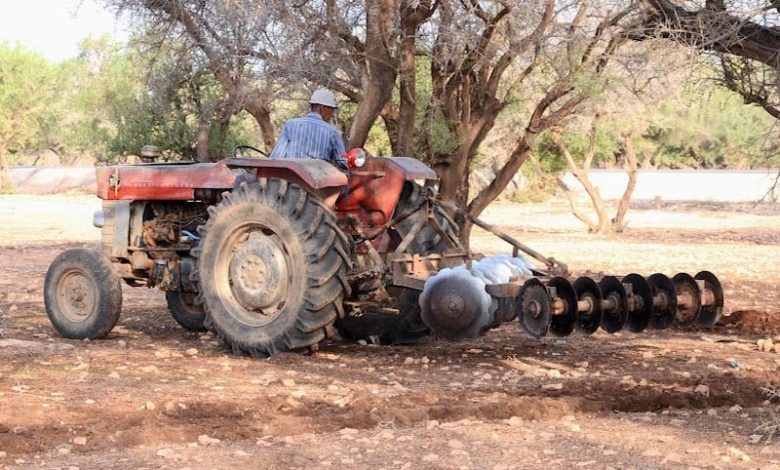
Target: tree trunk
(592, 226)
(408, 92)
(583, 176)
(390, 117)
(203, 142)
(596, 200)
(411, 18)
(5, 171)
(263, 117)
(603, 224)
(630, 164)
(453, 177)
(380, 73)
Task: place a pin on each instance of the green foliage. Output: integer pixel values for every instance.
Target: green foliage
(712, 128)
(105, 91)
(111, 100)
(114, 98)
(702, 127)
(28, 98)
(552, 161)
(126, 97)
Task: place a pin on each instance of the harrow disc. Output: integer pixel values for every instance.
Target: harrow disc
(563, 324)
(614, 319)
(689, 310)
(710, 314)
(640, 316)
(588, 321)
(455, 306)
(664, 301)
(534, 308)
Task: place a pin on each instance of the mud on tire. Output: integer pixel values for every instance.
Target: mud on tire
(82, 294)
(271, 268)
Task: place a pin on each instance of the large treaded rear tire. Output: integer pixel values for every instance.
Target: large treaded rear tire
(82, 294)
(271, 269)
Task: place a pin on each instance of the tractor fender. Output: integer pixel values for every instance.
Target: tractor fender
(316, 176)
(312, 174)
(413, 169)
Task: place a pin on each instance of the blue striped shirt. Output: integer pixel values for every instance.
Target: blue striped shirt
(310, 137)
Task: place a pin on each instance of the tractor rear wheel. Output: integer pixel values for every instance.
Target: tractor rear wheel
(407, 327)
(271, 268)
(186, 311)
(82, 294)
(428, 240)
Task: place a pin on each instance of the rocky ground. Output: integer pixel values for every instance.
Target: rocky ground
(153, 396)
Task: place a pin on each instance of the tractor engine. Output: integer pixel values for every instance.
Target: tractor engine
(154, 239)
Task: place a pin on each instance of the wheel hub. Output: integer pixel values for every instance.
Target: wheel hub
(258, 273)
(78, 296)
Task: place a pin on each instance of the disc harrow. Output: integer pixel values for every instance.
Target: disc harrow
(562, 305)
(550, 300)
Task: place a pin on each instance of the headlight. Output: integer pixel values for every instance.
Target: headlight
(360, 158)
(356, 158)
(99, 219)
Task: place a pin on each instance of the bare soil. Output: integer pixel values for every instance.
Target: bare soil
(154, 396)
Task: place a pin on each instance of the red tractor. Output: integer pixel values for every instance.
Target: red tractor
(272, 255)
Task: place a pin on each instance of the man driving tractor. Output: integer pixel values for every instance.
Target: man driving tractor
(313, 136)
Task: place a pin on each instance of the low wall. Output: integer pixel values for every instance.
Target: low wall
(685, 185)
(42, 180)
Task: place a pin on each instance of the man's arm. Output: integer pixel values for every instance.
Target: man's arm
(338, 149)
(281, 144)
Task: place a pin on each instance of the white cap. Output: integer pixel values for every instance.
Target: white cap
(324, 97)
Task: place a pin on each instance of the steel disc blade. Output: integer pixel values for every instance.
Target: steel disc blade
(534, 308)
(663, 316)
(455, 306)
(563, 325)
(614, 320)
(688, 312)
(587, 289)
(710, 314)
(639, 318)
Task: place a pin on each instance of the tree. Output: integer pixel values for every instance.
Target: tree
(568, 70)
(582, 173)
(231, 40)
(27, 91)
(482, 57)
(744, 36)
(122, 97)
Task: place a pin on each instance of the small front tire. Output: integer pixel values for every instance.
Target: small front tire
(185, 311)
(82, 294)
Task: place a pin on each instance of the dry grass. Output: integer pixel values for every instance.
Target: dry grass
(770, 426)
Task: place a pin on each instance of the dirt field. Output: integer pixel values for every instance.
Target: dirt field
(153, 396)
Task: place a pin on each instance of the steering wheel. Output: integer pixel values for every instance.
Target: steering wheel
(240, 147)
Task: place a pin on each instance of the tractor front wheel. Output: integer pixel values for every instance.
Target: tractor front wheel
(271, 268)
(82, 294)
(185, 311)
